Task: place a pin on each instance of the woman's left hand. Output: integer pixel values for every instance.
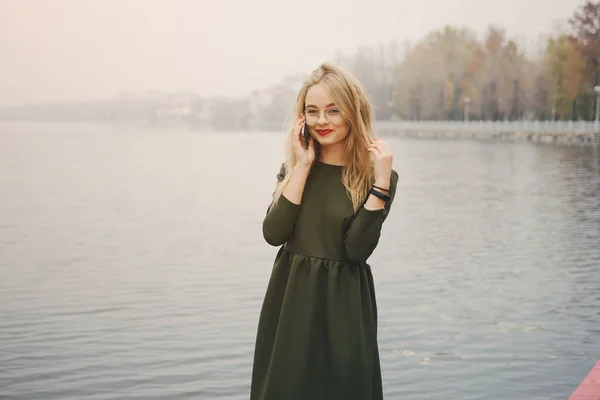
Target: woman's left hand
(383, 162)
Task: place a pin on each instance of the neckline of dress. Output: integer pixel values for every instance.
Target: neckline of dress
(329, 165)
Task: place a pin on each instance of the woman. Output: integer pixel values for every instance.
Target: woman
(317, 332)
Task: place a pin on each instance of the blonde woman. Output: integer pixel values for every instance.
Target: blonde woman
(317, 331)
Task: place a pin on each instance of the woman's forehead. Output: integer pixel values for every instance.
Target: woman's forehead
(318, 96)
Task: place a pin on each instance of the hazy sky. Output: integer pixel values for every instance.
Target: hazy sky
(83, 49)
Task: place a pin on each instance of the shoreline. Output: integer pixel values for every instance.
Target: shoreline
(579, 134)
(546, 132)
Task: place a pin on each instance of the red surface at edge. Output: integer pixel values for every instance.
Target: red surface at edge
(589, 388)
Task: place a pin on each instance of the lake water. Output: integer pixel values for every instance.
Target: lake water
(132, 265)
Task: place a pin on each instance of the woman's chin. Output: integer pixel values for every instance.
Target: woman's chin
(328, 140)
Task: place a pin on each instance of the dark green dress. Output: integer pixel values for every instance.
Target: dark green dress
(317, 331)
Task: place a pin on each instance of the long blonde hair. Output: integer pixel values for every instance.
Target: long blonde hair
(350, 97)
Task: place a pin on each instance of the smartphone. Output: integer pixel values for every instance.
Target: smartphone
(306, 133)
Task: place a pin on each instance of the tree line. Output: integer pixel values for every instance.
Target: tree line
(451, 74)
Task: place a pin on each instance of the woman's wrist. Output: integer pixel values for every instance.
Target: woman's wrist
(381, 187)
(382, 184)
(302, 168)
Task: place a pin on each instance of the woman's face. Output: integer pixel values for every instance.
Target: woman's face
(325, 120)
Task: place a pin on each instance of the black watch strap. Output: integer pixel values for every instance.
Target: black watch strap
(380, 195)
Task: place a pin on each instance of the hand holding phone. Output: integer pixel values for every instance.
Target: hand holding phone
(304, 146)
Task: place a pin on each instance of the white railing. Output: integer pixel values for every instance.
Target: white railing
(493, 126)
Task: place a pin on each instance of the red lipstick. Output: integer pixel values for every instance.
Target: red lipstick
(324, 132)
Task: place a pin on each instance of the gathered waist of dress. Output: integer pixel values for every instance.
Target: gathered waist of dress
(289, 248)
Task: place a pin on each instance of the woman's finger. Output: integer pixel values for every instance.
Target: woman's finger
(298, 129)
(379, 141)
(299, 124)
(387, 149)
(374, 150)
(382, 147)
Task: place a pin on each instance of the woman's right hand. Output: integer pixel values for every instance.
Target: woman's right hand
(304, 156)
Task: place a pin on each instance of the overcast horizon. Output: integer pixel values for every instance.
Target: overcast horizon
(67, 50)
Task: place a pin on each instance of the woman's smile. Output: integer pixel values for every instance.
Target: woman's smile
(324, 132)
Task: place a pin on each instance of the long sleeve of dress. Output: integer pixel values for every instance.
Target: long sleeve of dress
(364, 232)
(279, 222)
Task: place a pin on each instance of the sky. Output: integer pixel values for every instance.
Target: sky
(71, 50)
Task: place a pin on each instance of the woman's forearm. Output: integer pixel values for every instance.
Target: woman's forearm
(295, 187)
